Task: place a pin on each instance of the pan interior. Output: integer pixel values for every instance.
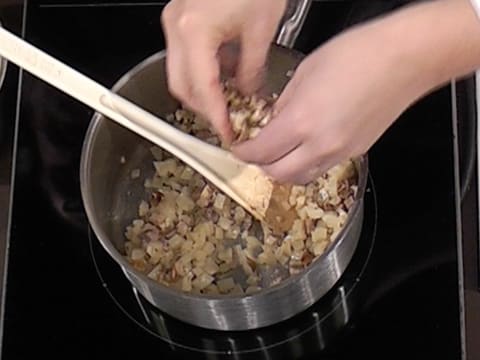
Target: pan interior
(116, 153)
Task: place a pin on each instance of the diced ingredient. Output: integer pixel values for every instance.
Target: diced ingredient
(192, 237)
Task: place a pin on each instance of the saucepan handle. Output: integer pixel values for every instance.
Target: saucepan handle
(292, 22)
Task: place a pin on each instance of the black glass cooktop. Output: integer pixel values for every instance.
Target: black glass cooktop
(309, 332)
(65, 297)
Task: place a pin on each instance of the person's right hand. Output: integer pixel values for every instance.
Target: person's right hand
(195, 32)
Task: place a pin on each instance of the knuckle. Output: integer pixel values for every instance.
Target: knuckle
(188, 22)
(181, 17)
(176, 90)
(169, 13)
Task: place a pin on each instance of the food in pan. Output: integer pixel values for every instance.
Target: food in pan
(190, 236)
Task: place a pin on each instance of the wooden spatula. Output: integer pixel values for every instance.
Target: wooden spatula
(244, 183)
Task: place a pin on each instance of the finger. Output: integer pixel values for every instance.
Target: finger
(206, 91)
(255, 46)
(288, 92)
(299, 166)
(176, 75)
(279, 137)
(175, 58)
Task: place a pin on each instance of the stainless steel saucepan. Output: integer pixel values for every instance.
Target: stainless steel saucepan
(111, 198)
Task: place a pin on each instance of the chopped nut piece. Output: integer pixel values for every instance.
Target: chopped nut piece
(218, 233)
(226, 255)
(233, 232)
(237, 290)
(253, 280)
(314, 212)
(135, 174)
(202, 281)
(298, 230)
(185, 203)
(219, 201)
(200, 256)
(156, 271)
(224, 223)
(298, 245)
(205, 196)
(267, 257)
(254, 132)
(187, 246)
(186, 219)
(225, 285)
(323, 195)
(198, 235)
(252, 242)
(176, 242)
(319, 248)
(137, 254)
(198, 271)
(348, 202)
(224, 268)
(286, 248)
(239, 214)
(187, 282)
(354, 189)
(302, 213)
(211, 289)
(187, 173)
(309, 225)
(128, 249)
(165, 167)
(209, 248)
(210, 266)
(143, 208)
(242, 260)
(319, 234)
(252, 289)
(300, 201)
(182, 228)
(270, 240)
(331, 219)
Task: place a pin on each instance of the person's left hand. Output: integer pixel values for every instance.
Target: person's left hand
(338, 103)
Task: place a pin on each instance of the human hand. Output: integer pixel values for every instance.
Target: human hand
(340, 100)
(195, 32)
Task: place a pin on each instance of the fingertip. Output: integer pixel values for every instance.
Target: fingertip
(219, 120)
(226, 135)
(249, 81)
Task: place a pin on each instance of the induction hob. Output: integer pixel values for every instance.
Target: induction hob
(65, 297)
